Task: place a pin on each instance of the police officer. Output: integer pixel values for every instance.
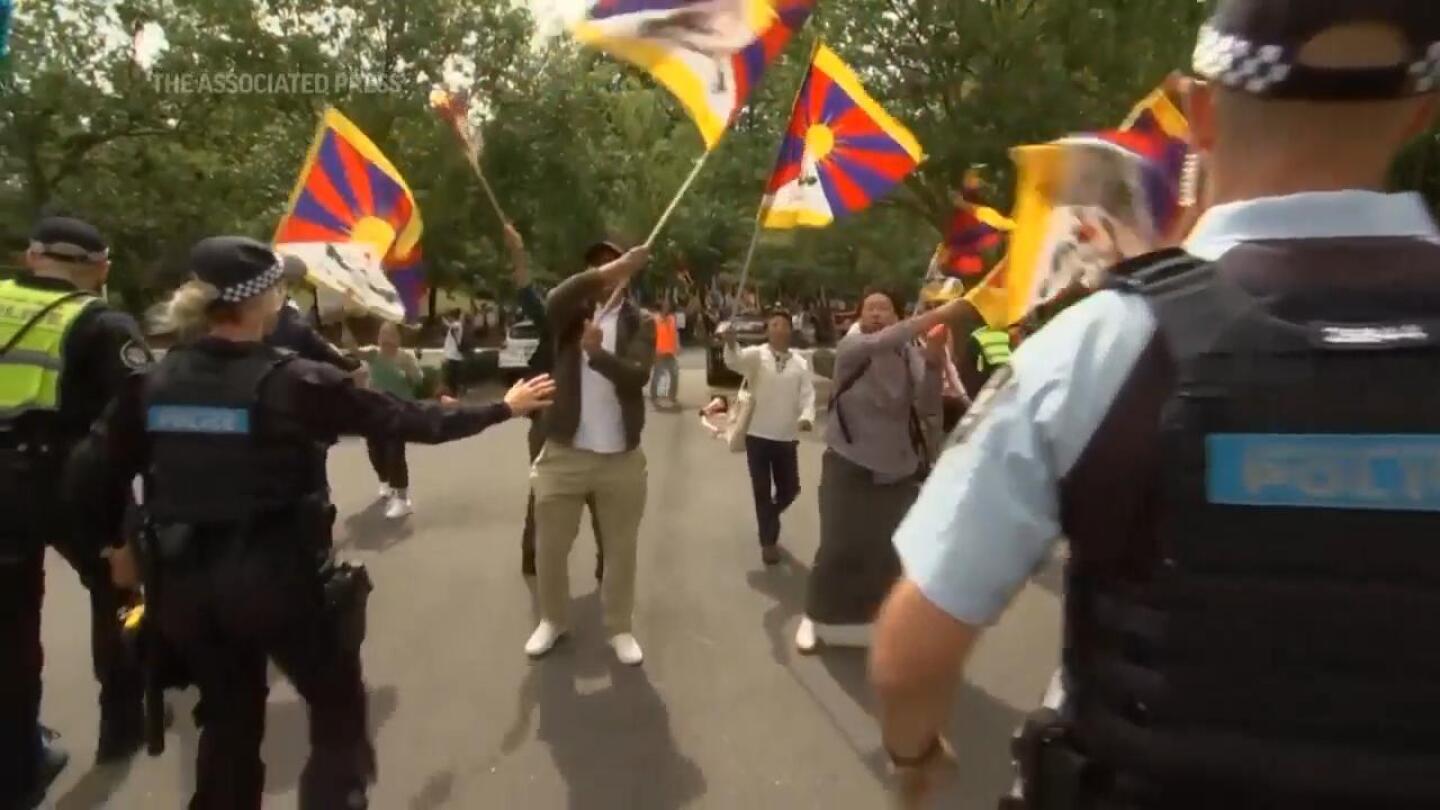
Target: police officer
(229, 434)
(1239, 443)
(63, 356)
(990, 349)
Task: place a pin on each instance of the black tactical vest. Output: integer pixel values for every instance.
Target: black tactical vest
(1253, 610)
(217, 456)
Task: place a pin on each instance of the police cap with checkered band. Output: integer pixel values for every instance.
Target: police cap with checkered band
(1257, 47)
(239, 267)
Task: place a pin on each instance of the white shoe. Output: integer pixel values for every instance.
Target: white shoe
(399, 507)
(856, 636)
(627, 649)
(544, 639)
(385, 492)
(805, 639)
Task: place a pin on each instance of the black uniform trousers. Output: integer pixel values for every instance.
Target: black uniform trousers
(22, 591)
(527, 540)
(22, 588)
(228, 606)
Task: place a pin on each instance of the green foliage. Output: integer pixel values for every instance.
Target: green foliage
(579, 147)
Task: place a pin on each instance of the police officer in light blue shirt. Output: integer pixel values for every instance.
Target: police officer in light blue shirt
(1241, 441)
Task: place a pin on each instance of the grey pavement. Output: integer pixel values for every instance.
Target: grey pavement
(724, 715)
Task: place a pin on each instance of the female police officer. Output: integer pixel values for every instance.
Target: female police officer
(229, 435)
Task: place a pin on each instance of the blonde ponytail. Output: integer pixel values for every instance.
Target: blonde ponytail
(188, 312)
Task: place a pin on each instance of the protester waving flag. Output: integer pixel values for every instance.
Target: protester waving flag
(840, 154)
(349, 192)
(710, 53)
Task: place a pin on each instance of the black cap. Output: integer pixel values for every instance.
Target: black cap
(68, 240)
(239, 267)
(1254, 46)
(594, 252)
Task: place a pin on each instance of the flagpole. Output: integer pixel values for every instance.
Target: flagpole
(764, 198)
(485, 185)
(750, 254)
(679, 195)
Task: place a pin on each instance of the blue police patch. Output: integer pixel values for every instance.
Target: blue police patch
(1324, 471)
(191, 419)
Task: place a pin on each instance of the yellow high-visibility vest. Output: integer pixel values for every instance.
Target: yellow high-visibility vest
(30, 371)
(994, 347)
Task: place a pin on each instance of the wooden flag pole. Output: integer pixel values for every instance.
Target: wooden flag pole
(679, 195)
(485, 185)
(754, 244)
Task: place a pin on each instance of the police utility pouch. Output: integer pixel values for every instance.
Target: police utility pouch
(1052, 770)
(347, 588)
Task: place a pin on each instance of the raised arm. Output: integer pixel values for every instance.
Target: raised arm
(569, 300)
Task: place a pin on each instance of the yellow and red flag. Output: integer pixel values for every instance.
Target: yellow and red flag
(711, 54)
(349, 192)
(841, 153)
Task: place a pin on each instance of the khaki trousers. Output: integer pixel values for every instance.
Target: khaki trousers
(563, 478)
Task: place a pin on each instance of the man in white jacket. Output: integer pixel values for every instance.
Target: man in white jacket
(783, 396)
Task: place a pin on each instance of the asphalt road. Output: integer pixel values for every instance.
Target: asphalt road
(724, 715)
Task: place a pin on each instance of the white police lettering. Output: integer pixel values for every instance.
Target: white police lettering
(189, 419)
(1381, 473)
(1374, 335)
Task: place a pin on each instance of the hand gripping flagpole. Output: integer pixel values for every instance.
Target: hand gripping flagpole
(454, 108)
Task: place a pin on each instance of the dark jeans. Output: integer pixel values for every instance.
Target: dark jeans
(22, 587)
(225, 613)
(387, 456)
(527, 540)
(775, 478)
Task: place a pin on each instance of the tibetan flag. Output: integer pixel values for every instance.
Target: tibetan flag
(840, 154)
(711, 54)
(975, 231)
(407, 276)
(1159, 133)
(350, 192)
(1086, 202)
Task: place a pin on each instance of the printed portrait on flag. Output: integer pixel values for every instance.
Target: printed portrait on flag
(711, 54)
(1100, 217)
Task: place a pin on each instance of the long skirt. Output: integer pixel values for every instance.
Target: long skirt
(856, 564)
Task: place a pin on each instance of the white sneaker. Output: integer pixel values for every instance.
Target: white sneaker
(385, 492)
(399, 507)
(805, 639)
(544, 639)
(627, 649)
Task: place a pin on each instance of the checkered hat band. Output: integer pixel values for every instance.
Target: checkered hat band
(246, 290)
(1260, 68)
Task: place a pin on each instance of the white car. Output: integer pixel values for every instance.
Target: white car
(521, 343)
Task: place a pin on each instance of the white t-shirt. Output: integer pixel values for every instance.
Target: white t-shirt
(454, 334)
(602, 426)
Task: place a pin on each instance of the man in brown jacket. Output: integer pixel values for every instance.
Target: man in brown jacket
(604, 350)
